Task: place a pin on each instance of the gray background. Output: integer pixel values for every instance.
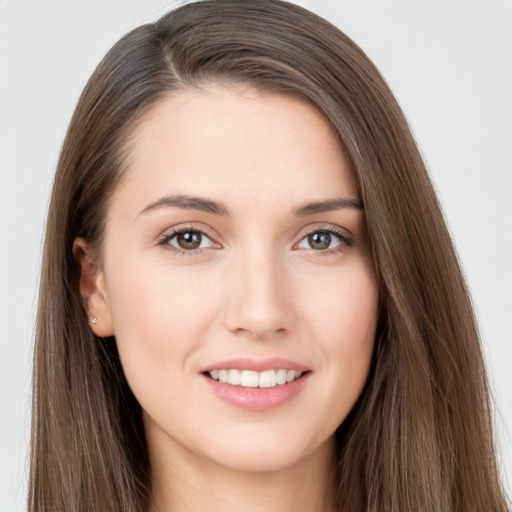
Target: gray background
(448, 62)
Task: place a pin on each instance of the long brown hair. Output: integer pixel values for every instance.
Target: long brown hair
(420, 436)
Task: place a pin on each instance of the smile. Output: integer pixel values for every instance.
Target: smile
(254, 379)
(256, 384)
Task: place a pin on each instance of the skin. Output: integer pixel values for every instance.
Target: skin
(256, 288)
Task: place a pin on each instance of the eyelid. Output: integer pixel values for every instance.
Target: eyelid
(345, 236)
(170, 233)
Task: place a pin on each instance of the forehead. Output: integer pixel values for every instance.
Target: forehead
(239, 144)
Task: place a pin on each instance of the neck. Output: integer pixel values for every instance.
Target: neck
(186, 483)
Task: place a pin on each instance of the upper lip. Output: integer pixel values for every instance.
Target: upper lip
(258, 365)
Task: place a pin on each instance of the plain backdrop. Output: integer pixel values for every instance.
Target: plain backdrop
(449, 64)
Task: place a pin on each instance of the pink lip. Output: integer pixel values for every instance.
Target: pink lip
(256, 399)
(257, 365)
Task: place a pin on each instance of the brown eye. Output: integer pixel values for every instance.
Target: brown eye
(320, 240)
(324, 240)
(189, 240)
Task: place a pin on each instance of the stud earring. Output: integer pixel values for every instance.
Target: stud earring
(94, 320)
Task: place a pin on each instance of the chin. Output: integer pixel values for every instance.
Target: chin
(265, 454)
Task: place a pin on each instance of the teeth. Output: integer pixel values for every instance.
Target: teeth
(249, 379)
(281, 376)
(267, 379)
(234, 377)
(252, 379)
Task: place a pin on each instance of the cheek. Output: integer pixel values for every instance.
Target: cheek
(160, 317)
(356, 314)
(343, 320)
(156, 298)
(344, 309)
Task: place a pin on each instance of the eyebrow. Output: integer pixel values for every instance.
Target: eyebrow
(217, 208)
(328, 205)
(188, 203)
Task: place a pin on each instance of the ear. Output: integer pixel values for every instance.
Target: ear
(93, 289)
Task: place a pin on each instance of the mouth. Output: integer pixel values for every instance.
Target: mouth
(256, 385)
(254, 379)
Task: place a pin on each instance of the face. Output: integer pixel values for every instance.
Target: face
(237, 278)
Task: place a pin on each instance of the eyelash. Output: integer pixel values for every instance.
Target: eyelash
(167, 237)
(346, 241)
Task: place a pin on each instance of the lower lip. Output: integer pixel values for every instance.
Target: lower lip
(257, 399)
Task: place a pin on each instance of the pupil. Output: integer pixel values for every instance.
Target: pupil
(189, 240)
(319, 240)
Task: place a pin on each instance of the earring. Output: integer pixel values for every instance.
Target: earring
(94, 320)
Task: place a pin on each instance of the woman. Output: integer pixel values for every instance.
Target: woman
(249, 297)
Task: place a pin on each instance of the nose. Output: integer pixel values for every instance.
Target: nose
(260, 304)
